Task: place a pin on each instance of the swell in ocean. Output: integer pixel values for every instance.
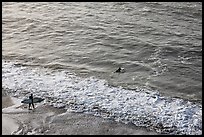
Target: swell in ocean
(159, 44)
(141, 107)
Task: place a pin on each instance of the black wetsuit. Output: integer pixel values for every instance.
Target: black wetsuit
(31, 97)
(118, 70)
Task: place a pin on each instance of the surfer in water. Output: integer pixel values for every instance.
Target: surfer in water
(120, 70)
(31, 98)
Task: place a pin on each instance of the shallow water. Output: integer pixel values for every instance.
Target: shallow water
(140, 107)
(47, 120)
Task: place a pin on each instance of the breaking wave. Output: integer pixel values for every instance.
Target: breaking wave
(140, 107)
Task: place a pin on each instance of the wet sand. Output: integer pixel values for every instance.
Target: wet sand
(47, 120)
(8, 124)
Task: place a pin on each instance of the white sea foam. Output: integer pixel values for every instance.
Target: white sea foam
(90, 95)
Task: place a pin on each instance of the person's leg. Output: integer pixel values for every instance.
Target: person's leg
(29, 106)
(33, 105)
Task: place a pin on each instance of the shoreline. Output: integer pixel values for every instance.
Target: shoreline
(47, 120)
(9, 125)
(141, 107)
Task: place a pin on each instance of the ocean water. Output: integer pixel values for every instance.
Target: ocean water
(68, 52)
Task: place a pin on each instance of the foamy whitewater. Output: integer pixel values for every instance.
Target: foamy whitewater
(140, 107)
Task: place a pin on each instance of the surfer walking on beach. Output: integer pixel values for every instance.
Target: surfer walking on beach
(31, 98)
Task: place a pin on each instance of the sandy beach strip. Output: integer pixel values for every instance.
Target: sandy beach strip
(47, 120)
(8, 124)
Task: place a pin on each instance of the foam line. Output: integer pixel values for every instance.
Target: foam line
(90, 95)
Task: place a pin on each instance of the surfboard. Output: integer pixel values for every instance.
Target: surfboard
(35, 100)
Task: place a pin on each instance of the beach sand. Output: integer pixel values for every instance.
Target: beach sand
(47, 120)
(8, 124)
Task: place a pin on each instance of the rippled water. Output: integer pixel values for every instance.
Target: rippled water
(158, 44)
